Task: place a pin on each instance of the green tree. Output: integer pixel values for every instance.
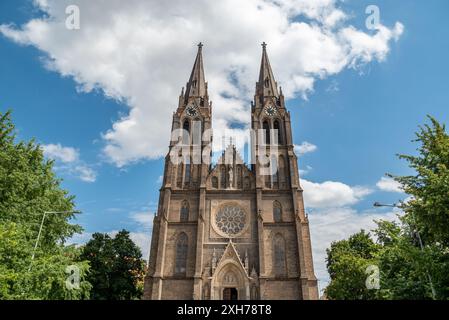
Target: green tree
(412, 255)
(28, 188)
(428, 208)
(117, 267)
(347, 262)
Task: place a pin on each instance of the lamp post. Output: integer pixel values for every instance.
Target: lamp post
(40, 230)
(395, 205)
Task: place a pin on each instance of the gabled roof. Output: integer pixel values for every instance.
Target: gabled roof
(230, 252)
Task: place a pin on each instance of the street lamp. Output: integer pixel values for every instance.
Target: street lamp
(394, 205)
(40, 230)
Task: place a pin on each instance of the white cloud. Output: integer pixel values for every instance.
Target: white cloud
(145, 219)
(142, 234)
(85, 173)
(303, 172)
(142, 240)
(305, 147)
(79, 238)
(332, 194)
(68, 161)
(333, 224)
(140, 52)
(389, 185)
(58, 152)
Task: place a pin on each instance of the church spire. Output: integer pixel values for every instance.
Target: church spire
(197, 87)
(267, 85)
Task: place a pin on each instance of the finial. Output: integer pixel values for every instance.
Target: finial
(264, 45)
(200, 45)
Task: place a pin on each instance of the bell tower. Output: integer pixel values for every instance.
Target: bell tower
(277, 181)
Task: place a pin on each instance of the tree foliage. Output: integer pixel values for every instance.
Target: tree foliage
(347, 261)
(28, 188)
(412, 255)
(117, 268)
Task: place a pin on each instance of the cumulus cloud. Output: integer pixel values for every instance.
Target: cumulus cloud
(144, 219)
(85, 173)
(68, 161)
(140, 52)
(389, 185)
(332, 194)
(305, 147)
(58, 152)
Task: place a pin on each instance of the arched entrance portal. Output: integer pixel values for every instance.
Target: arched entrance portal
(230, 294)
(230, 280)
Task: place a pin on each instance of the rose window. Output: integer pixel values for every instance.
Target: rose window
(231, 220)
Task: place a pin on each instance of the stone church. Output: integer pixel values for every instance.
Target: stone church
(228, 230)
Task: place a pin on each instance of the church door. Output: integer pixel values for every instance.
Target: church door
(230, 294)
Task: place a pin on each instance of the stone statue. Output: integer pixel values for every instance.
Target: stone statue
(231, 177)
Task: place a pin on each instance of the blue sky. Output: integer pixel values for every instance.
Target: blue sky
(358, 119)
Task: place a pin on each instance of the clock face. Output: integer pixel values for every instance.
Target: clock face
(191, 111)
(270, 111)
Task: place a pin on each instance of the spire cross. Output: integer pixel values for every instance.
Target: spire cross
(264, 45)
(200, 45)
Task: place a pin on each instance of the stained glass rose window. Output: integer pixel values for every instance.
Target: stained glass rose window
(230, 220)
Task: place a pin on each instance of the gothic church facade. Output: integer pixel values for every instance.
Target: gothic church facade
(230, 231)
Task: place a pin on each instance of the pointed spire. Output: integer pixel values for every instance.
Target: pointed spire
(197, 87)
(267, 85)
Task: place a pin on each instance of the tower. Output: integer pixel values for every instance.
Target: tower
(228, 230)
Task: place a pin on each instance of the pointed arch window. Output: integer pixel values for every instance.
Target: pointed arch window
(215, 182)
(280, 265)
(179, 175)
(184, 213)
(186, 132)
(186, 125)
(266, 131)
(274, 169)
(246, 183)
(277, 212)
(276, 126)
(181, 255)
(283, 179)
(187, 172)
(223, 177)
(239, 177)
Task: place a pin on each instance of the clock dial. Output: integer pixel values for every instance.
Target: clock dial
(191, 111)
(270, 111)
